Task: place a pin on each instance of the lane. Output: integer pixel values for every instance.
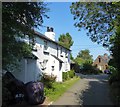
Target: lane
(90, 90)
(71, 96)
(98, 91)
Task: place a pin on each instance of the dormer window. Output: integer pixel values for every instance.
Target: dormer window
(43, 64)
(34, 48)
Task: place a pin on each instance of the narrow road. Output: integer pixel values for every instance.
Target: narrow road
(90, 90)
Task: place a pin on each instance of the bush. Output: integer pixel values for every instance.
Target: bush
(76, 68)
(89, 69)
(48, 80)
(114, 77)
(71, 73)
(65, 76)
(68, 74)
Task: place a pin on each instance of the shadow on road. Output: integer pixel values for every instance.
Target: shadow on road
(98, 91)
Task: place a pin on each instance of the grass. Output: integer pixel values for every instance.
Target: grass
(59, 88)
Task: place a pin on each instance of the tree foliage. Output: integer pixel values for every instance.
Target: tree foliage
(66, 40)
(79, 60)
(115, 44)
(85, 54)
(71, 57)
(83, 57)
(98, 18)
(115, 49)
(19, 19)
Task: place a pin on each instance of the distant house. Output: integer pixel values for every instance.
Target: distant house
(48, 57)
(101, 62)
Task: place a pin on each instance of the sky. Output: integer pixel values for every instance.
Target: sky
(62, 21)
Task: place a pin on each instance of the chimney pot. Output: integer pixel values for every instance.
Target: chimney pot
(48, 29)
(51, 29)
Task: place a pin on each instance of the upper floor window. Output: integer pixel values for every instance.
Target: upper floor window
(60, 50)
(45, 45)
(57, 51)
(66, 54)
(99, 60)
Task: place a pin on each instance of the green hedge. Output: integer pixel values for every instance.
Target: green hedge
(64, 76)
(67, 75)
(71, 73)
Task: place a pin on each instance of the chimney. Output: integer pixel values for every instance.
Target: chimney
(51, 29)
(50, 33)
(48, 30)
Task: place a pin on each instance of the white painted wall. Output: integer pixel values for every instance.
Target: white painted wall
(21, 73)
(32, 69)
(30, 73)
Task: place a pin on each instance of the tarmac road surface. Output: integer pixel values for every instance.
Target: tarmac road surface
(90, 90)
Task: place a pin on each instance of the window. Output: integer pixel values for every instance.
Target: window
(66, 66)
(34, 48)
(32, 42)
(57, 51)
(99, 60)
(45, 45)
(52, 68)
(66, 54)
(61, 50)
(43, 64)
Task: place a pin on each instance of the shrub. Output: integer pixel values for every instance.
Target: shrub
(76, 68)
(114, 77)
(71, 73)
(48, 80)
(65, 76)
(68, 74)
(89, 69)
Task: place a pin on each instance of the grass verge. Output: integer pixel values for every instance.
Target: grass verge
(59, 88)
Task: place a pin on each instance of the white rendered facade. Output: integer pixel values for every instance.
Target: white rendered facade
(52, 59)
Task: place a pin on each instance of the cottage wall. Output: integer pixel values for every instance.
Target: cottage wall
(52, 59)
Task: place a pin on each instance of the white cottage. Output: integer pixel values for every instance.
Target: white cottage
(49, 57)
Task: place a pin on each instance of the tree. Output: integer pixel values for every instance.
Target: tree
(102, 21)
(19, 19)
(115, 49)
(85, 54)
(83, 57)
(71, 57)
(98, 18)
(79, 60)
(66, 40)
